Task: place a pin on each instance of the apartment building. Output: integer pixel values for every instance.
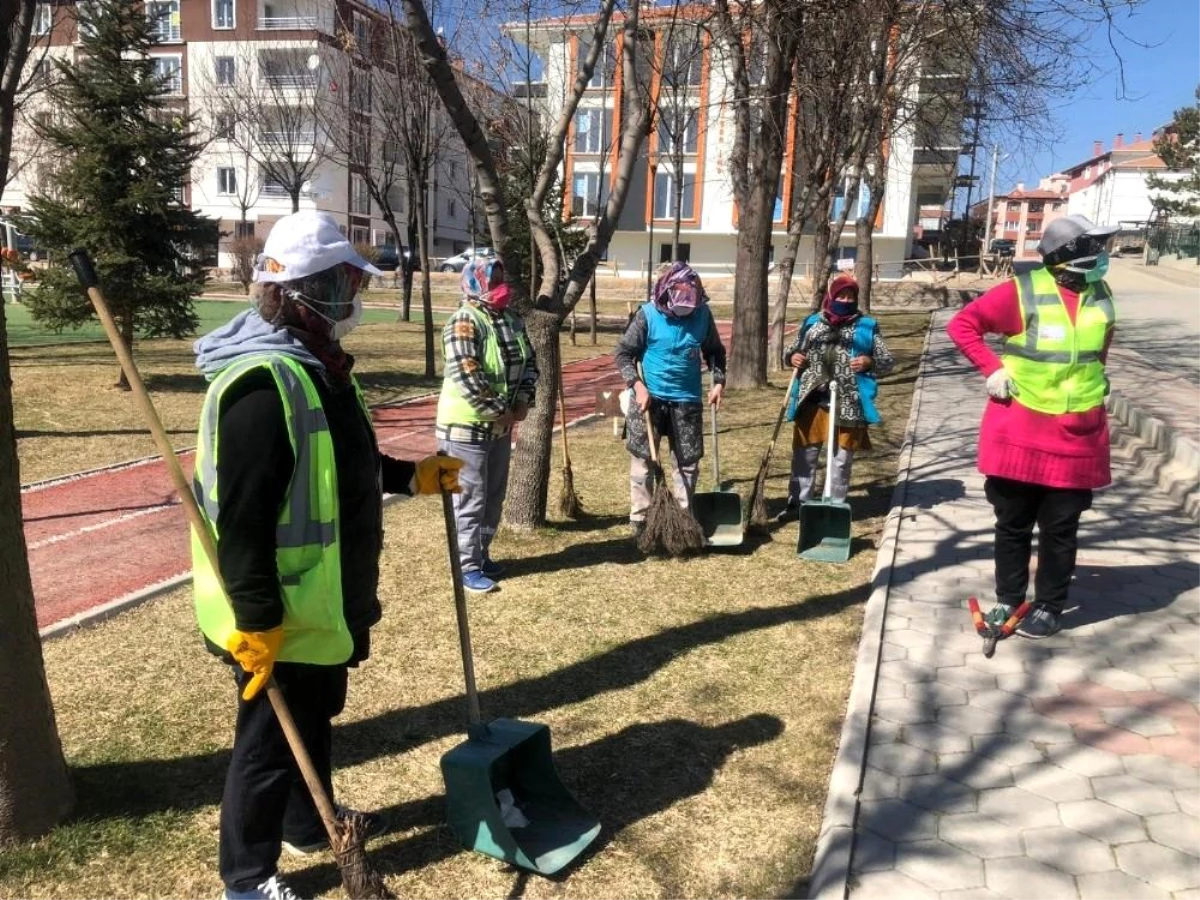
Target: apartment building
(261, 77)
(1110, 185)
(684, 167)
(1022, 215)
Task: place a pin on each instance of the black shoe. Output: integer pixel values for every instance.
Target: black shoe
(789, 513)
(1042, 622)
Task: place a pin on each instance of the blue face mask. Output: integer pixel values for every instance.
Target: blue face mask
(1098, 271)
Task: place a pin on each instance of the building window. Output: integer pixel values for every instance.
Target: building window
(360, 198)
(360, 236)
(226, 181)
(1036, 206)
(360, 91)
(664, 196)
(169, 71)
(593, 128)
(243, 229)
(678, 130)
(589, 194)
(1055, 206)
(164, 19)
(606, 66)
(451, 208)
(43, 18)
(223, 13)
(361, 32)
(223, 125)
(42, 72)
(226, 70)
(681, 65)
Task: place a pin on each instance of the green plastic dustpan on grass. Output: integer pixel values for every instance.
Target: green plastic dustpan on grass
(503, 795)
(825, 524)
(719, 511)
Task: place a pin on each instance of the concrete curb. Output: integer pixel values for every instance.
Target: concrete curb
(1178, 472)
(830, 875)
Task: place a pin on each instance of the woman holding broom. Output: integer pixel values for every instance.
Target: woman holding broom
(836, 343)
(669, 337)
(288, 478)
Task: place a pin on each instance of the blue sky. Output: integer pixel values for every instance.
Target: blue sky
(1159, 79)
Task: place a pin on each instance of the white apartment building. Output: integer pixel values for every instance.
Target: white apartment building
(271, 68)
(1110, 186)
(921, 162)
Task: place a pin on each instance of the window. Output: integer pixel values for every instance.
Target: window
(361, 32)
(606, 66)
(360, 198)
(589, 194)
(593, 130)
(226, 181)
(666, 253)
(681, 63)
(360, 236)
(1055, 206)
(664, 196)
(223, 13)
(1014, 207)
(1033, 226)
(678, 129)
(226, 70)
(243, 229)
(451, 208)
(164, 19)
(43, 18)
(1036, 206)
(169, 71)
(360, 91)
(223, 125)
(42, 72)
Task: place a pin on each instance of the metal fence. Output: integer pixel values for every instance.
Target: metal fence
(1180, 239)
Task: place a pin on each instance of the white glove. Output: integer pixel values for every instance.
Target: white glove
(1000, 385)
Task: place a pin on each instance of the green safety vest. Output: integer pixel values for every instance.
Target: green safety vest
(1054, 362)
(307, 551)
(453, 406)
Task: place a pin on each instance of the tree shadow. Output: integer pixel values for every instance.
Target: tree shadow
(620, 551)
(176, 383)
(91, 512)
(96, 432)
(1096, 601)
(675, 759)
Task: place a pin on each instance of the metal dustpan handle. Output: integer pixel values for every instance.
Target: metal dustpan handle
(460, 610)
(716, 450)
(830, 448)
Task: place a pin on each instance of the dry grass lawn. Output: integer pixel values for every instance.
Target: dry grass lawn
(695, 705)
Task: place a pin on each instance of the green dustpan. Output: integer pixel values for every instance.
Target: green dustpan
(503, 795)
(719, 511)
(825, 524)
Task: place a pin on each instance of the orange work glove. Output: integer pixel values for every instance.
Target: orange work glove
(438, 473)
(256, 651)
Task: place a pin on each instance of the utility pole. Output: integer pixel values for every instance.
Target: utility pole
(987, 228)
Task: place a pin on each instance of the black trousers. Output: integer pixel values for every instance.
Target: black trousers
(1055, 511)
(266, 800)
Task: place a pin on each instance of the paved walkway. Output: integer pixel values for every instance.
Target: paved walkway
(1068, 767)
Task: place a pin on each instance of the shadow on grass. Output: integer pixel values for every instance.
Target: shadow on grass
(95, 432)
(675, 759)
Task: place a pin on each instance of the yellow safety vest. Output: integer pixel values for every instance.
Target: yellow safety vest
(453, 406)
(1054, 362)
(307, 550)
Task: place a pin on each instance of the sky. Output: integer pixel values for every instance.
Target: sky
(1159, 79)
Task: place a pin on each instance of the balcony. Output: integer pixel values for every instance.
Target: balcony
(289, 80)
(287, 138)
(296, 16)
(923, 156)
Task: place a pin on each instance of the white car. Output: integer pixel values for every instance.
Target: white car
(458, 262)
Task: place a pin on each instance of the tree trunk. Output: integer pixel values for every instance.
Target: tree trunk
(35, 789)
(529, 475)
(864, 260)
(783, 286)
(822, 241)
(295, 195)
(426, 284)
(406, 273)
(748, 361)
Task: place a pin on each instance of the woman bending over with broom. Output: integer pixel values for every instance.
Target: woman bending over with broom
(669, 337)
(836, 343)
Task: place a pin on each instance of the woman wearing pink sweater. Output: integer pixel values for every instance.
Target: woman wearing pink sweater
(1043, 442)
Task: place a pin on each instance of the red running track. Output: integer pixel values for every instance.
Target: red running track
(99, 537)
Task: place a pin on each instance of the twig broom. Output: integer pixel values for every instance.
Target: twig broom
(569, 506)
(347, 836)
(758, 494)
(670, 529)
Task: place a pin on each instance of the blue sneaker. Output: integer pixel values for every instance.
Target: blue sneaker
(478, 583)
(274, 888)
(491, 568)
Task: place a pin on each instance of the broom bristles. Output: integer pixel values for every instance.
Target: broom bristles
(569, 506)
(670, 529)
(361, 881)
(758, 497)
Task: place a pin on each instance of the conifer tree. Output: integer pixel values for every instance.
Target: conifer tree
(1179, 147)
(124, 149)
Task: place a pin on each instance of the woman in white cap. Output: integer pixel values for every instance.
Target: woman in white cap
(1043, 444)
(290, 481)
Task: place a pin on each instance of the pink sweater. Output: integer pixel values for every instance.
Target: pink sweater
(1062, 451)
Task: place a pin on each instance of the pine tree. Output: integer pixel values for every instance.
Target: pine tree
(124, 151)
(1179, 147)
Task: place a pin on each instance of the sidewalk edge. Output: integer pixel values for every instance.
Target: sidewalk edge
(98, 614)
(830, 874)
(1179, 476)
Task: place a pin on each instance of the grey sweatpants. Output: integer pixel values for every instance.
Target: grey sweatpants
(804, 473)
(641, 489)
(484, 482)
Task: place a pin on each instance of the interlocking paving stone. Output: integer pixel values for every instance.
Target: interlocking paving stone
(998, 701)
(878, 785)
(1163, 773)
(981, 835)
(1117, 885)
(1024, 877)
(938, 793)
(1069, 850)
(890, 884)
(1018, 807)
(1138, 721)
(1162, 866)
(969, 894)
(1134, 794)
(1087, 761)
(903, 711)
(886, 689)
(1178, 830)
(1102, 821)
(975, 770)
(897, 820)
(873, 853)
(1053, 783)
(1189, 802)
(936, 739)
(940, 866)
(902, 759)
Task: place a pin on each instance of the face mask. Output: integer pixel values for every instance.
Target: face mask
(498, 297)
(1098, 271)
(338, 328)
(843, 307)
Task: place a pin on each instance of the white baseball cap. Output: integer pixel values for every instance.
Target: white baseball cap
(303, 244)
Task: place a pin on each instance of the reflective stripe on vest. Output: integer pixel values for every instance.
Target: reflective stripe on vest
(1056, 363)
(453, 406)
(307, 552)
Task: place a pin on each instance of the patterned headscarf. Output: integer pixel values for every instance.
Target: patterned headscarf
(839, 312)
(678, 291)
(480, 276)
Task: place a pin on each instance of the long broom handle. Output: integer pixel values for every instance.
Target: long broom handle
(716, 451)
(460, 607)
(829, 450)
(87, 277)
(562, 405)
(649, 425)
(782, 412)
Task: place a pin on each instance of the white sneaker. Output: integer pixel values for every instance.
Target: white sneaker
(274, 888)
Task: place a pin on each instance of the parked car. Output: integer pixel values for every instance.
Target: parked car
(1003, 247)
(389, 260)
(459, 261)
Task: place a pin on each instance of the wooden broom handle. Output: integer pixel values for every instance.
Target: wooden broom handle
(649, 425)
(87, 277)
(562, 405)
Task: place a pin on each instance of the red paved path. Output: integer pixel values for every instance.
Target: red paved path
(96, 538)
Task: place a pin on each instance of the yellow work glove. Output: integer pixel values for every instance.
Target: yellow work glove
(256, 651)
(438, 473)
